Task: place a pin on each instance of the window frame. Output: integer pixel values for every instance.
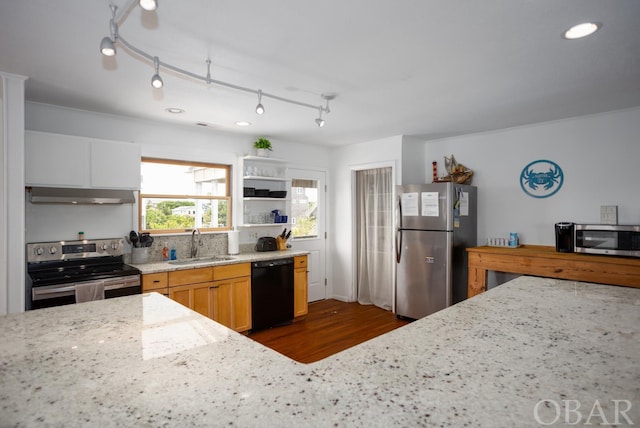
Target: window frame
(227, 198)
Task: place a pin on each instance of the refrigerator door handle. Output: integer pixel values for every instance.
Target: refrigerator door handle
(398, 230)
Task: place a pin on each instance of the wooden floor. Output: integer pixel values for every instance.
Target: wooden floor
(330, 327)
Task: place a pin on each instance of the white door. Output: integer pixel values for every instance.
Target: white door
(308, 218)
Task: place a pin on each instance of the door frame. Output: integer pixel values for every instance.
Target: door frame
(321, 267)
(353, 293)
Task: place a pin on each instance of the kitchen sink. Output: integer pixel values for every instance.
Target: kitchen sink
(196, 260)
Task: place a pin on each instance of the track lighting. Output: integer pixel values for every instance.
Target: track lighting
(319, 120)
(156, 80)
(108, 44)
(149, 4)
(108, 48)
(259, 107)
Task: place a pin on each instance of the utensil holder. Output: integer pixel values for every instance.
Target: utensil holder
(139, 255)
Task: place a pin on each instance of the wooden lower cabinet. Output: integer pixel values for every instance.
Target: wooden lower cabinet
(300, 284)
(231, 303)
(193, 296)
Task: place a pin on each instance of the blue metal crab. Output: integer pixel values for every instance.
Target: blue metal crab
(536, 179)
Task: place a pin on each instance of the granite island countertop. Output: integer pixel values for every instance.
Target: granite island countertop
(167, 266)
(489, 361)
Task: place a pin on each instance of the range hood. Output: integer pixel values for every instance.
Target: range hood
(58, 195)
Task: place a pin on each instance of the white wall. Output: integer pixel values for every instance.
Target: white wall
(161, 140)
(598, 154)
(12, 259)
(345, 160)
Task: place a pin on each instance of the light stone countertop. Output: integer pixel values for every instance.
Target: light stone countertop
(156, 267)
(487, 362)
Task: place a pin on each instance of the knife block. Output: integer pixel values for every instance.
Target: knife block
(281, 243)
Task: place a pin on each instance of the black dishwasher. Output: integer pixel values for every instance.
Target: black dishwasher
(271, 293)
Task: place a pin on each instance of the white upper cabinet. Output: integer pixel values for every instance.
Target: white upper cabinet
(115, 165)
(56, 160)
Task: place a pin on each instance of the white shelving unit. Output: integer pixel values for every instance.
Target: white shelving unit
(263, 173)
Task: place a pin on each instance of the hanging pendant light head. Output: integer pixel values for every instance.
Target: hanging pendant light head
(108, 44)
(148, 4)
(156, 80)
(260, 107)
(319, 120)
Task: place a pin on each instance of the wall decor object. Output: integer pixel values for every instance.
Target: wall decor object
(541, 178)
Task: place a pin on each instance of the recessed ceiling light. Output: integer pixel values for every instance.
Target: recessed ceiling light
(243, 123)
(582, 30)
(174, 110)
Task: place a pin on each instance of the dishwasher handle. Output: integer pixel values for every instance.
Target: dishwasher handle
(272, 263)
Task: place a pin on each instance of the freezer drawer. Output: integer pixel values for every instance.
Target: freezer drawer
(423, 278)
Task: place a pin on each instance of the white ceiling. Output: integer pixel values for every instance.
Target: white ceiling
(431, 68)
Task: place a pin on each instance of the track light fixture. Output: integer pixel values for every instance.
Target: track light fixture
(156, 80)
(108, 44)
(319, 120)
(259, 107)
(148, 4)
(108, 48)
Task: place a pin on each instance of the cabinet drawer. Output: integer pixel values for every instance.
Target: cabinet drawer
(299, 262)
(190, 276)
(232, 271)
(155, 282)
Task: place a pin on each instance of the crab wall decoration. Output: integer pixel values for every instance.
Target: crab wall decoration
(541, 178)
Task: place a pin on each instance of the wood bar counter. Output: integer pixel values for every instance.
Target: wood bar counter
(539, 260)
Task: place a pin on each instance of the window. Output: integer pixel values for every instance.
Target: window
(304, 206)
(176, 196)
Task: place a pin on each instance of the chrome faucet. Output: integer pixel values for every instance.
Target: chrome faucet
(194, 243)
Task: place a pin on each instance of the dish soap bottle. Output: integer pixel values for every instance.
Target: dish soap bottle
(165, 252)
(174, 256)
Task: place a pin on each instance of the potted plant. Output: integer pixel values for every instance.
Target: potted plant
(262, 146)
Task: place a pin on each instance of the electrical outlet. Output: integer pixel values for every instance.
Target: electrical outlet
(608, 214)
(253, 235)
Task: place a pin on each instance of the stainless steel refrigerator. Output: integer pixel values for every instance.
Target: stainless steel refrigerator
(435, 224)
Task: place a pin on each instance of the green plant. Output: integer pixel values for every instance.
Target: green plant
(262, 143)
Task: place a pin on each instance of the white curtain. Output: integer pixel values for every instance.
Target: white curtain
(374, 212)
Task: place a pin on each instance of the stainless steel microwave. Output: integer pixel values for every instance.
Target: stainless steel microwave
(614, 240)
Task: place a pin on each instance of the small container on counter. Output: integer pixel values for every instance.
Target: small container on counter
(80, 236)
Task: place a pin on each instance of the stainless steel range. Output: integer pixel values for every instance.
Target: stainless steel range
(60, 273)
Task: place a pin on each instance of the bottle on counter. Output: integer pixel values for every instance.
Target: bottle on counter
(80, 236)
(174, 255)
(165, 252)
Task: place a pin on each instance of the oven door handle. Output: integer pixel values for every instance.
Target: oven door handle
(61, 289)
(109, 284)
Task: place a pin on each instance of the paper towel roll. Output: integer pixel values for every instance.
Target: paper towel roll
(233, 240)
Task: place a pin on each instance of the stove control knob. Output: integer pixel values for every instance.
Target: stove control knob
(104, 247)
(53, 250)
(39, 251)
(114, 245)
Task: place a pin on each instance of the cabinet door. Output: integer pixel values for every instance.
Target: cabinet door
(200, 299)
(182, 294)
(56, 160)
(193, 296)
(300, 286)
(242, 304)
(115, 165)
(231, 303)
(221, 297)
(300, 305)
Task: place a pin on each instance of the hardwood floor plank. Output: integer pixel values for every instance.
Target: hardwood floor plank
(330, 326)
